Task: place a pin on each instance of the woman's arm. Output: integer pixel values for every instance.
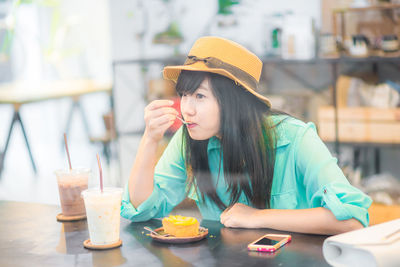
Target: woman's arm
(313, 221)
(141, 177)
(159, 116)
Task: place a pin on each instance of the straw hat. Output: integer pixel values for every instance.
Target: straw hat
(224, 57)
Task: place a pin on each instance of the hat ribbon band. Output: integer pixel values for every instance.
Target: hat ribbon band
(216, 63)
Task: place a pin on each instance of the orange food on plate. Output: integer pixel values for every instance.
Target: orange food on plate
(181, 226)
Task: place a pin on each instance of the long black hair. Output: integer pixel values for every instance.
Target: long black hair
(247, 142)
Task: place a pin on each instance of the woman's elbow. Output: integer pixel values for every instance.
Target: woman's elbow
(351, 225)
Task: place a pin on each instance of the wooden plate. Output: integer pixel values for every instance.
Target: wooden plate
(203, 232)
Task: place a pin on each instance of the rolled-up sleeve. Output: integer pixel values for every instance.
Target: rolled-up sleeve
(344, 200)
(169, 185)
(325, 184)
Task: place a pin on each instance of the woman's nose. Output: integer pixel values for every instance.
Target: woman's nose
(188, 106)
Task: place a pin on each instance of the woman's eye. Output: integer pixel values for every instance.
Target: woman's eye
(199, 96)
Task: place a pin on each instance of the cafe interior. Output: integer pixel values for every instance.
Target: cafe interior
(75, 77)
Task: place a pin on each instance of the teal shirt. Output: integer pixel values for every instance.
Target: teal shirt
(305, 176)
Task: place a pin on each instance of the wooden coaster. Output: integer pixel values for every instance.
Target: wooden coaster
(89, 245)
(64, 218)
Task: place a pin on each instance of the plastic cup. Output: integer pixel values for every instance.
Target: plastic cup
(71, 183)
(103, 214)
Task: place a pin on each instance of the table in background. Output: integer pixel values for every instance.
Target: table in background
(20, 93)
(31, 236)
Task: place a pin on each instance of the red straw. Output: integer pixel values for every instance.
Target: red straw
(66, 147)
(101, 173)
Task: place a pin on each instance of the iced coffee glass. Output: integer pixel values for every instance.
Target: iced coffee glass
(103, 214)
(71, 183)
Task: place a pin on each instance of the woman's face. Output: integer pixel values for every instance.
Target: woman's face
(201, 110)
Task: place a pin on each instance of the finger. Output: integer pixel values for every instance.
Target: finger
(164, 127)
(163, 110)
(230, 207)
(229, 222)
(159, 103)
(153, 114)
(225, 214)
(222, 219)
(222, 216)
(159, 130)
(162, 119)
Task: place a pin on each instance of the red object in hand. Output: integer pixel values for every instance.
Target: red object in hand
(177, 124)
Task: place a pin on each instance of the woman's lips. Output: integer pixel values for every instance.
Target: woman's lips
(191, 125)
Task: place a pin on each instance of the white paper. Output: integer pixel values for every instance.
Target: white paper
(371, 246)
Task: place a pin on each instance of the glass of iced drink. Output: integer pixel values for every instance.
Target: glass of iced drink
(71, 183)
(103, 214)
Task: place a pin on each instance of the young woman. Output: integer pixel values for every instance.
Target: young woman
(243, 163)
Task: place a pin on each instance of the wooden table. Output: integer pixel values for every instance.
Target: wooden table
(380, 213)
(31, 236)
(20, 93)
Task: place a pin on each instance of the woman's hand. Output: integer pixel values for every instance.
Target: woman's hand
(240, 215)
(159, 116)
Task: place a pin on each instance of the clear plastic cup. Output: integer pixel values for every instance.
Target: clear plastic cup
(71, 183)
(103, 214)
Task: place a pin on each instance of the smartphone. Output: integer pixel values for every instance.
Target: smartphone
(269, 242)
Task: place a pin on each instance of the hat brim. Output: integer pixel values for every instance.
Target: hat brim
(172, 73)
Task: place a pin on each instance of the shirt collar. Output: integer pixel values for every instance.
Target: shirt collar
(279, 126)
(213, 143)
(282, 138)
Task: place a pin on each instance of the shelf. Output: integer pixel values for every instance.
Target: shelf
(387, 9)
(369, 8)
(360, 124)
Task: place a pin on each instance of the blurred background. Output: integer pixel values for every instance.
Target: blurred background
(88, 68)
